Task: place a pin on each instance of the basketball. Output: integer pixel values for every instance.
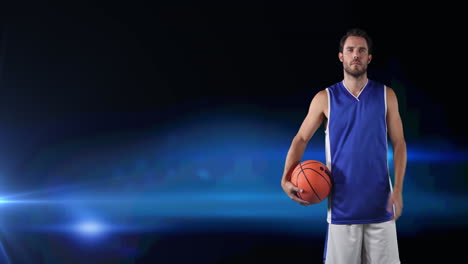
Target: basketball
(314, 178)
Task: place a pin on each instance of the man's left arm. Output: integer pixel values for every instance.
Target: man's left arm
(395, 131)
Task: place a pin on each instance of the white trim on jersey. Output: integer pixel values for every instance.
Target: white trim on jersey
(386, 133)
(357, 97)
(385, 97)
(327, 153)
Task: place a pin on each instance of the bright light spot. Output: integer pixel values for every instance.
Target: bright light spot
(90, 228)
(2, 200)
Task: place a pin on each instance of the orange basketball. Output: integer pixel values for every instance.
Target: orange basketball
(314, 178)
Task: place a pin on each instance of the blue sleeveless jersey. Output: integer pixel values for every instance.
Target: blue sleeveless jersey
(356, 154)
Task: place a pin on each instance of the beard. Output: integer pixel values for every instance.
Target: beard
(355, 72)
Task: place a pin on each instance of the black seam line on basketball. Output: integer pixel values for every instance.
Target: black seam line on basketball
(297, 183)
(312, 162)
(297, 180)
(311, 186)
(320, 175)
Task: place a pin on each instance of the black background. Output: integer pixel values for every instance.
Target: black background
(172, 58)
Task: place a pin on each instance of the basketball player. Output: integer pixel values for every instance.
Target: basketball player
(359, 114)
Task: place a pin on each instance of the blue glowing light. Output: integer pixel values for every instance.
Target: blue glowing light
(90, 228)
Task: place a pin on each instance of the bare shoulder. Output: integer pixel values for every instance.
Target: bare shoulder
(391, 95)
(321, 97)
(320, 102)
(322, 94)
(390, 91)
(392, 100)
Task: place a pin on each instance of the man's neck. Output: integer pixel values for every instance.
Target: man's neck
(355, 84)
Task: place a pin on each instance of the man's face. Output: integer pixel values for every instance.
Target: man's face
(355, 56)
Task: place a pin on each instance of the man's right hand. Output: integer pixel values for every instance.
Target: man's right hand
(292, 192)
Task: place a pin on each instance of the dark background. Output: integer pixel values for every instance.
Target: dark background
(159, 94)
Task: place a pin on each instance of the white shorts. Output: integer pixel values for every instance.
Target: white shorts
(362, 244)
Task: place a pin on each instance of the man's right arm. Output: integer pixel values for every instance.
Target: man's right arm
(311, 123)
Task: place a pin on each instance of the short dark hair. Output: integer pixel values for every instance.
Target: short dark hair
(357, 32)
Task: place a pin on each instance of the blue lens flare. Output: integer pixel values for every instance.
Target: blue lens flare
(221, 179)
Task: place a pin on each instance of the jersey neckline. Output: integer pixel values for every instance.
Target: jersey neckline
(360, 92)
